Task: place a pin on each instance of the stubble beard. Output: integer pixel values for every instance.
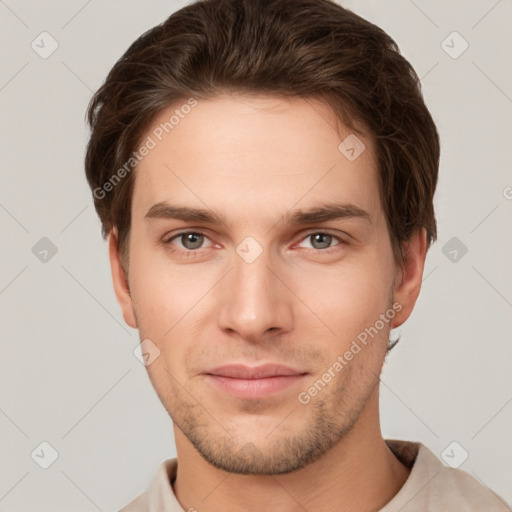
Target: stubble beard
(328, 421)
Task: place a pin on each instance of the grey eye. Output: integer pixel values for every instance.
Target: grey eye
(191, 240)
(321, 240)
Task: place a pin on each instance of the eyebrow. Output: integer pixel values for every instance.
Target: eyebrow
(326, 212)
(315, 215)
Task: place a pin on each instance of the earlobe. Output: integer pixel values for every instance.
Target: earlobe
(120, 280)
(407, 290)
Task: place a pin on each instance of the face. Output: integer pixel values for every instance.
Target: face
(289, 264)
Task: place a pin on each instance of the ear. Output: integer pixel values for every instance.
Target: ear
(120, 280)
(409, 276)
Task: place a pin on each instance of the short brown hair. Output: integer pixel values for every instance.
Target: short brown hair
(287, 48)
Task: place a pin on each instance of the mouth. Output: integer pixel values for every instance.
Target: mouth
(254, 382)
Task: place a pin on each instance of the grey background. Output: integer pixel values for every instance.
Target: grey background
(68, 373)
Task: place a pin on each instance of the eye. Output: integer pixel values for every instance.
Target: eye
(190, 240)
(321, 241)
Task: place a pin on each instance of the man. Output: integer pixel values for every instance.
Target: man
(265, 173)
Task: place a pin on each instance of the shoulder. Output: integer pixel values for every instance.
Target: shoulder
(139, 504)
(159, 496)
(433, 486)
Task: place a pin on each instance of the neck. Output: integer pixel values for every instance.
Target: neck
(359, 473)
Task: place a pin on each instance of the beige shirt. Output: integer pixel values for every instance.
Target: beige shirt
(431, 487)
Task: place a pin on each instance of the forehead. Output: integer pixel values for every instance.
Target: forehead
(247, 155)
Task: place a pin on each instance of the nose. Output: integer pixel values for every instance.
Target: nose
(255, 303)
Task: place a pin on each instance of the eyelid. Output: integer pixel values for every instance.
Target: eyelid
(338, 237)
(170, 236)
(167, 239)
(335, 233)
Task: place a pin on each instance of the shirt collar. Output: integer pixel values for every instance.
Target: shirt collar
(161, 497)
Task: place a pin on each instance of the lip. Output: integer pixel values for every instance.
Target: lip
(253, 382)
(240, 371)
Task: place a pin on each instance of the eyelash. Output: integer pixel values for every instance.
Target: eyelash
(191, 253)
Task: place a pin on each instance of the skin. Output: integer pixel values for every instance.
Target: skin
(254, 159)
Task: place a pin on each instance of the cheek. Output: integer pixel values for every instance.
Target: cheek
(348, 298)
(159, 297)
(350, 303)
(169, 304)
